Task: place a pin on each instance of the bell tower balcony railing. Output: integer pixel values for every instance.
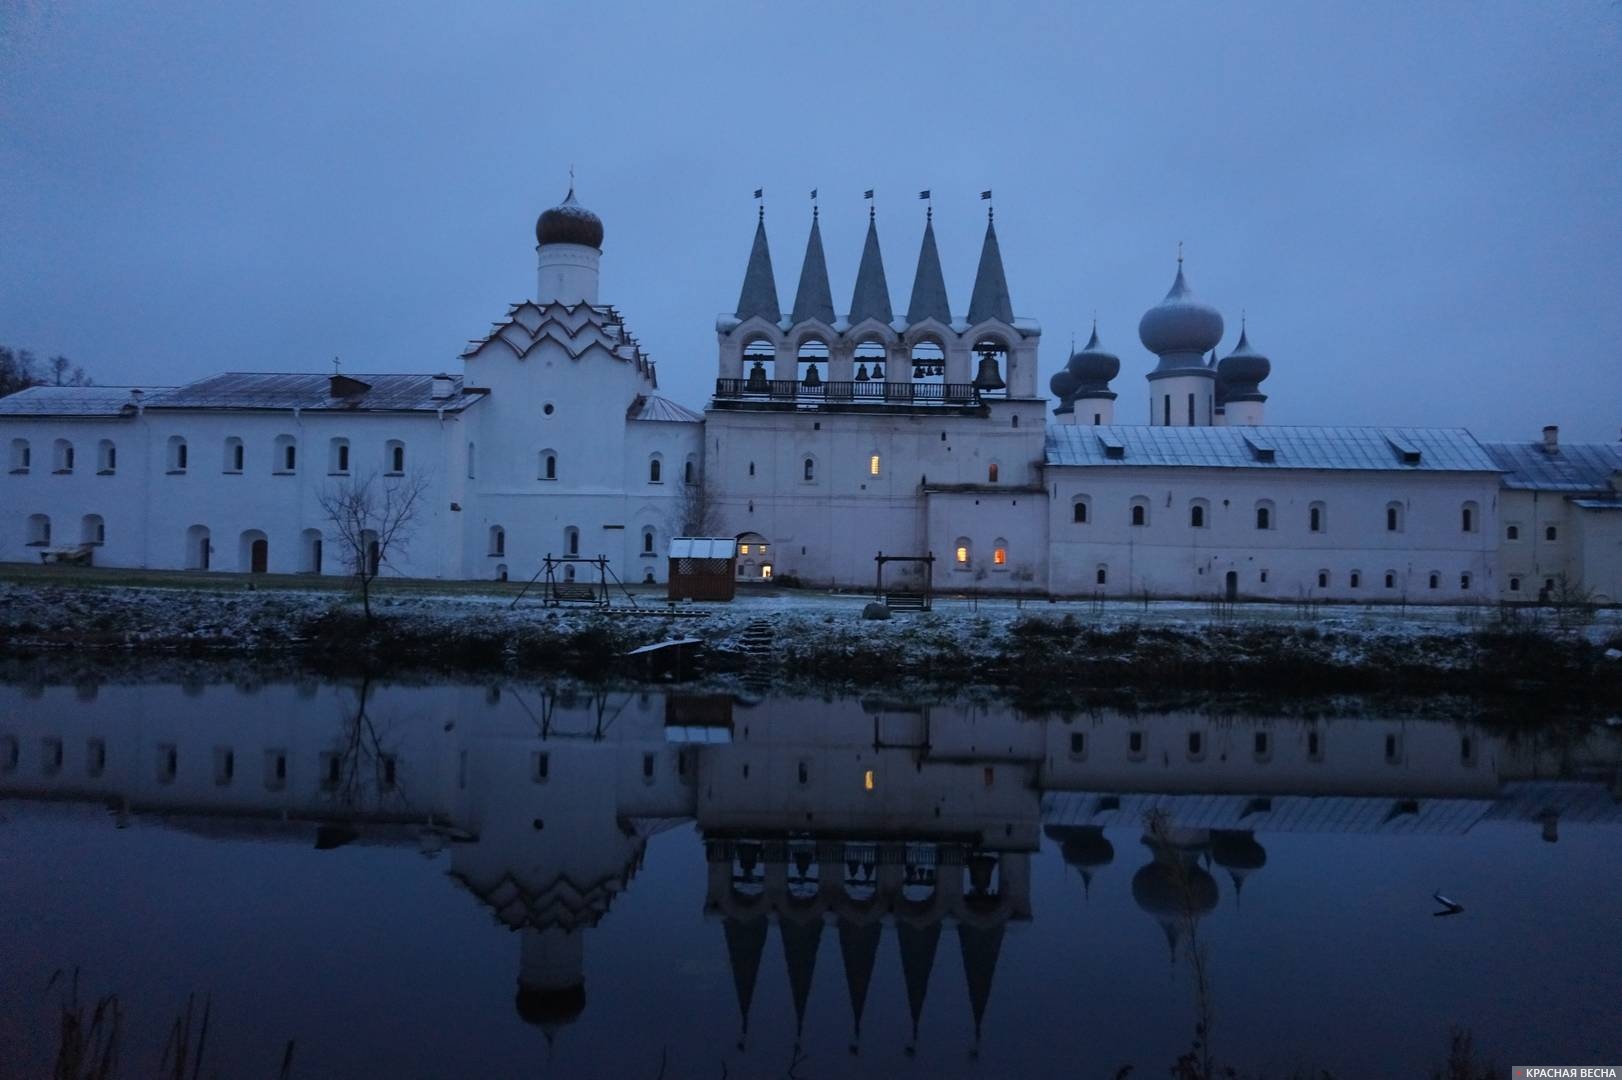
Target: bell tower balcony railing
(872, 392)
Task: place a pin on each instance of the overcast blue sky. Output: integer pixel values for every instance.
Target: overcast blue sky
(1419, 204)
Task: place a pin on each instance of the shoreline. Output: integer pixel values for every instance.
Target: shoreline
(1046, 654)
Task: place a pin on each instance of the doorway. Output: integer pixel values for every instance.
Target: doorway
(1231, 586)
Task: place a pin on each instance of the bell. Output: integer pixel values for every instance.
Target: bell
(861, 373)
(988, 378)
(918, 371)
(980, 868)
(757, 379)
(811, 377)
(878, 370)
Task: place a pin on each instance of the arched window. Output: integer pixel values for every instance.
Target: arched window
(689, 471)
(1080, 509)
(338, 457)
(1199, 514)
(106, 458)
(809, 469)
(92, 529)
(1393, 517)
(1356, 579)
(286, 455)
(548, 465)
(928, 362)
(234, 455)
(873, 465)
(177, 454)
(1464, 582)
(1551, 533)
(991, 473)
(648, 540)
(571, 541)
(1323, 579)
(1512, 532)
(1391, 579)
(498, 540)
(1317, 517)
(22, 455)
(999, 554)
(655, 470)
(39, 530)
(1435, 580)
(1264, 514)
(961, 553)
(1140, 510)
(1102, 576)
(869, 357)
(394, 457)
(62, 457)
(991, 367)
(1469, 515)
(1514, 584)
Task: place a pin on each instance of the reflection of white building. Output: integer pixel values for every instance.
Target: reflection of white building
(875, 829)
(833, 434)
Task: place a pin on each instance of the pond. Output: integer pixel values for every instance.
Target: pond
(514, 879)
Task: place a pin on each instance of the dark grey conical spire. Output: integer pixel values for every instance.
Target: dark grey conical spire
(814, 299)
(871, 299)
(746, 941)
(759, 295)
(859, 945)
(929, 284)
(990, 299)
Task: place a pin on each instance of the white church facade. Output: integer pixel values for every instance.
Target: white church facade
(831, 437)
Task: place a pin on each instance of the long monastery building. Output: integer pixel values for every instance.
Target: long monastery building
(831, 437)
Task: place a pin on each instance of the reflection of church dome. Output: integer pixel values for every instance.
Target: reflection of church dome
(1236, 851)
(1174, 888)
(1083, 846)
(550, 1009)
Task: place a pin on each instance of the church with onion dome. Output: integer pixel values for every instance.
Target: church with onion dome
(834, 434)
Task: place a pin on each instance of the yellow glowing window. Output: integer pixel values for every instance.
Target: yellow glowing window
(962, 554)
(743, 549)
(1000, 556)
(766, 572)
(873, 465)
(867, 780)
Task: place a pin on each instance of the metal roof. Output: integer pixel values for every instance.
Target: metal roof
(654, 407)
(1598, 504)
(73, 400)
(1448, 815)
(871, 297)
(1371, 449)
(383, 393)
(1572, 467)
(703, 547)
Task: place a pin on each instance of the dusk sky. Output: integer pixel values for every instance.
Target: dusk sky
(1419, 205)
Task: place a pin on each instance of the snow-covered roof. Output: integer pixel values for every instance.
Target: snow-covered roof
(1585, 467)
(703, 547)
(654, 407)
(315, 392)
(1369, 449)
(74, 400)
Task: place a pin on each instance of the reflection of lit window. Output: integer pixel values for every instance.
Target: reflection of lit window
(1000, 556)
(743, 548)
(873, 465)
(766, 571)
(867, 780)
(962, 555)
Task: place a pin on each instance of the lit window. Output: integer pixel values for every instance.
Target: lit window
(999, 556)
(991, 474)
(962, 555)
(766, 571)
(743, 549)
(867, 780)
(873, 465)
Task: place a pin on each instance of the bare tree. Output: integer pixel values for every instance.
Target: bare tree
(373, 519)
(697, 512)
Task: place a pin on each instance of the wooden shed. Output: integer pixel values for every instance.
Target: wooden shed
(703, 567)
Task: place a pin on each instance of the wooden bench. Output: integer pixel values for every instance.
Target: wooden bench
(575, 592)
(904, 601)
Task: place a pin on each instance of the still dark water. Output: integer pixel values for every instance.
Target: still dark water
(515, 880)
